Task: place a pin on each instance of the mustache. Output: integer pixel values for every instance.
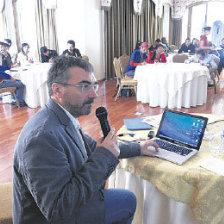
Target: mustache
(89, 101)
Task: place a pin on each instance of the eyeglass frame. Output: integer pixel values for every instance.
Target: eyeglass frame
(94, 86)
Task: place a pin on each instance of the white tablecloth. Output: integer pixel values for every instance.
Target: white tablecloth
(172, 84)
(153, 207)
(34, 77)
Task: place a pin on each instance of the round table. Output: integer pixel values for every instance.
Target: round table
(172, 85)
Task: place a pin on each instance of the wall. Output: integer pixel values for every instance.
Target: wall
(81, 21)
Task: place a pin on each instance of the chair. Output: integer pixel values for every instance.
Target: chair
(217, 60)
(122, 81)
(12, 91)
(85, 57)
(180, 58)
(173, 47)
(124, 60)
(6, 203)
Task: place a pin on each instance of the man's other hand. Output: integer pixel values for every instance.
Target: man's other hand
(110, 143)
(145, 149)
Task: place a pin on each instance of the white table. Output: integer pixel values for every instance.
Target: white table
(34, 77)
(171, 194)
(172, 84)
(153, 206)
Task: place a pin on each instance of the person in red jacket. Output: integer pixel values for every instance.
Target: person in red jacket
(204, 43)
(157, 55)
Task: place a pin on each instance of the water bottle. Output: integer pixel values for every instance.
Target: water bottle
(221, 146)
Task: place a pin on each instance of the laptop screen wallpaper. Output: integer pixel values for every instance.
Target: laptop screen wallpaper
(182, 128)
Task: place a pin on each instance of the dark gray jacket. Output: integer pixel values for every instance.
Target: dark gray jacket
(53, 180)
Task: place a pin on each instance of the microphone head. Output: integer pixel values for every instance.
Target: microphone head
(101, 112)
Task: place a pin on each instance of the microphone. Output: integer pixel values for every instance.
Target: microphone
(101, 113)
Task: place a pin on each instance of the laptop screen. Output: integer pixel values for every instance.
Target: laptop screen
(182, 128)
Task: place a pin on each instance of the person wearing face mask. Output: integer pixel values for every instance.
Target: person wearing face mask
(157, 56)
(138, 57)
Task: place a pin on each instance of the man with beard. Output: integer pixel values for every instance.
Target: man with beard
(59, 172)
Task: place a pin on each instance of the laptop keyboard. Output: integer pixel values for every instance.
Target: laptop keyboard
(172, 147)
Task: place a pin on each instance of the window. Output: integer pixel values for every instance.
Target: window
(184, 26)
(198, 20)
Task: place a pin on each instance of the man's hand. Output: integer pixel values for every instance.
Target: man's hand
(110, 143)
(144, 148)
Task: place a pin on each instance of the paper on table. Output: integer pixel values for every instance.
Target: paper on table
(154, 121)
(215, 165)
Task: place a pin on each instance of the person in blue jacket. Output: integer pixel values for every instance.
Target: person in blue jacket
(138, 57)
(8, 81)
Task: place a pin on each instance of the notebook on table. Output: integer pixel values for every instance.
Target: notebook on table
(136, 124)
(179, 136)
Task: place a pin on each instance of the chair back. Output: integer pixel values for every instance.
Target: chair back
(117, 68)
(85, 57)
(123, 60)
(216, 59)
(173, 47)
(180, 58)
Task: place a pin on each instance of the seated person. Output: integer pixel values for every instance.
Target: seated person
(5, 57)
(153, 46)
(47, 55)
(12, 51)
(157, 55)
(165, 43)
(212, 49)
(25, 57)
(221, 56)
(137, 45)
(195, 42)
(206, 60)
(7, 81)
(203, 43)
(187, 47)
(72, 51)
(138, 57)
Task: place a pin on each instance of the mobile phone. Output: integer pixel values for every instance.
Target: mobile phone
(151, 134)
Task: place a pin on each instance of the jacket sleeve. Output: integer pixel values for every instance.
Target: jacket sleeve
(4, 75)
(130, 149)
(57, 190)
(163, 56)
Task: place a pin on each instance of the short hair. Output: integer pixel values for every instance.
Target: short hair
(43, 49)
(163, 38)
(158, 40)
(58, 72)
(72, 42)
(137, 45)
(24, 45)
(207, 28)
(201, 52)
(188, 38)
(9, 42)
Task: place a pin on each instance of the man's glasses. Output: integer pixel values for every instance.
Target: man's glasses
(85, 87)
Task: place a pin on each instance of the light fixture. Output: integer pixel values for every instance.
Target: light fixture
(138, 6)
(106, 4)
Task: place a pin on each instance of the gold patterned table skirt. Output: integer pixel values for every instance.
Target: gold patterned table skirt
(201, 189)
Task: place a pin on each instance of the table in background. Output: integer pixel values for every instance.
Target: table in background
(172, 84)
(171, 194)
(34, 77)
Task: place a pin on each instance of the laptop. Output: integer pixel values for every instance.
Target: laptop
(179, 136)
